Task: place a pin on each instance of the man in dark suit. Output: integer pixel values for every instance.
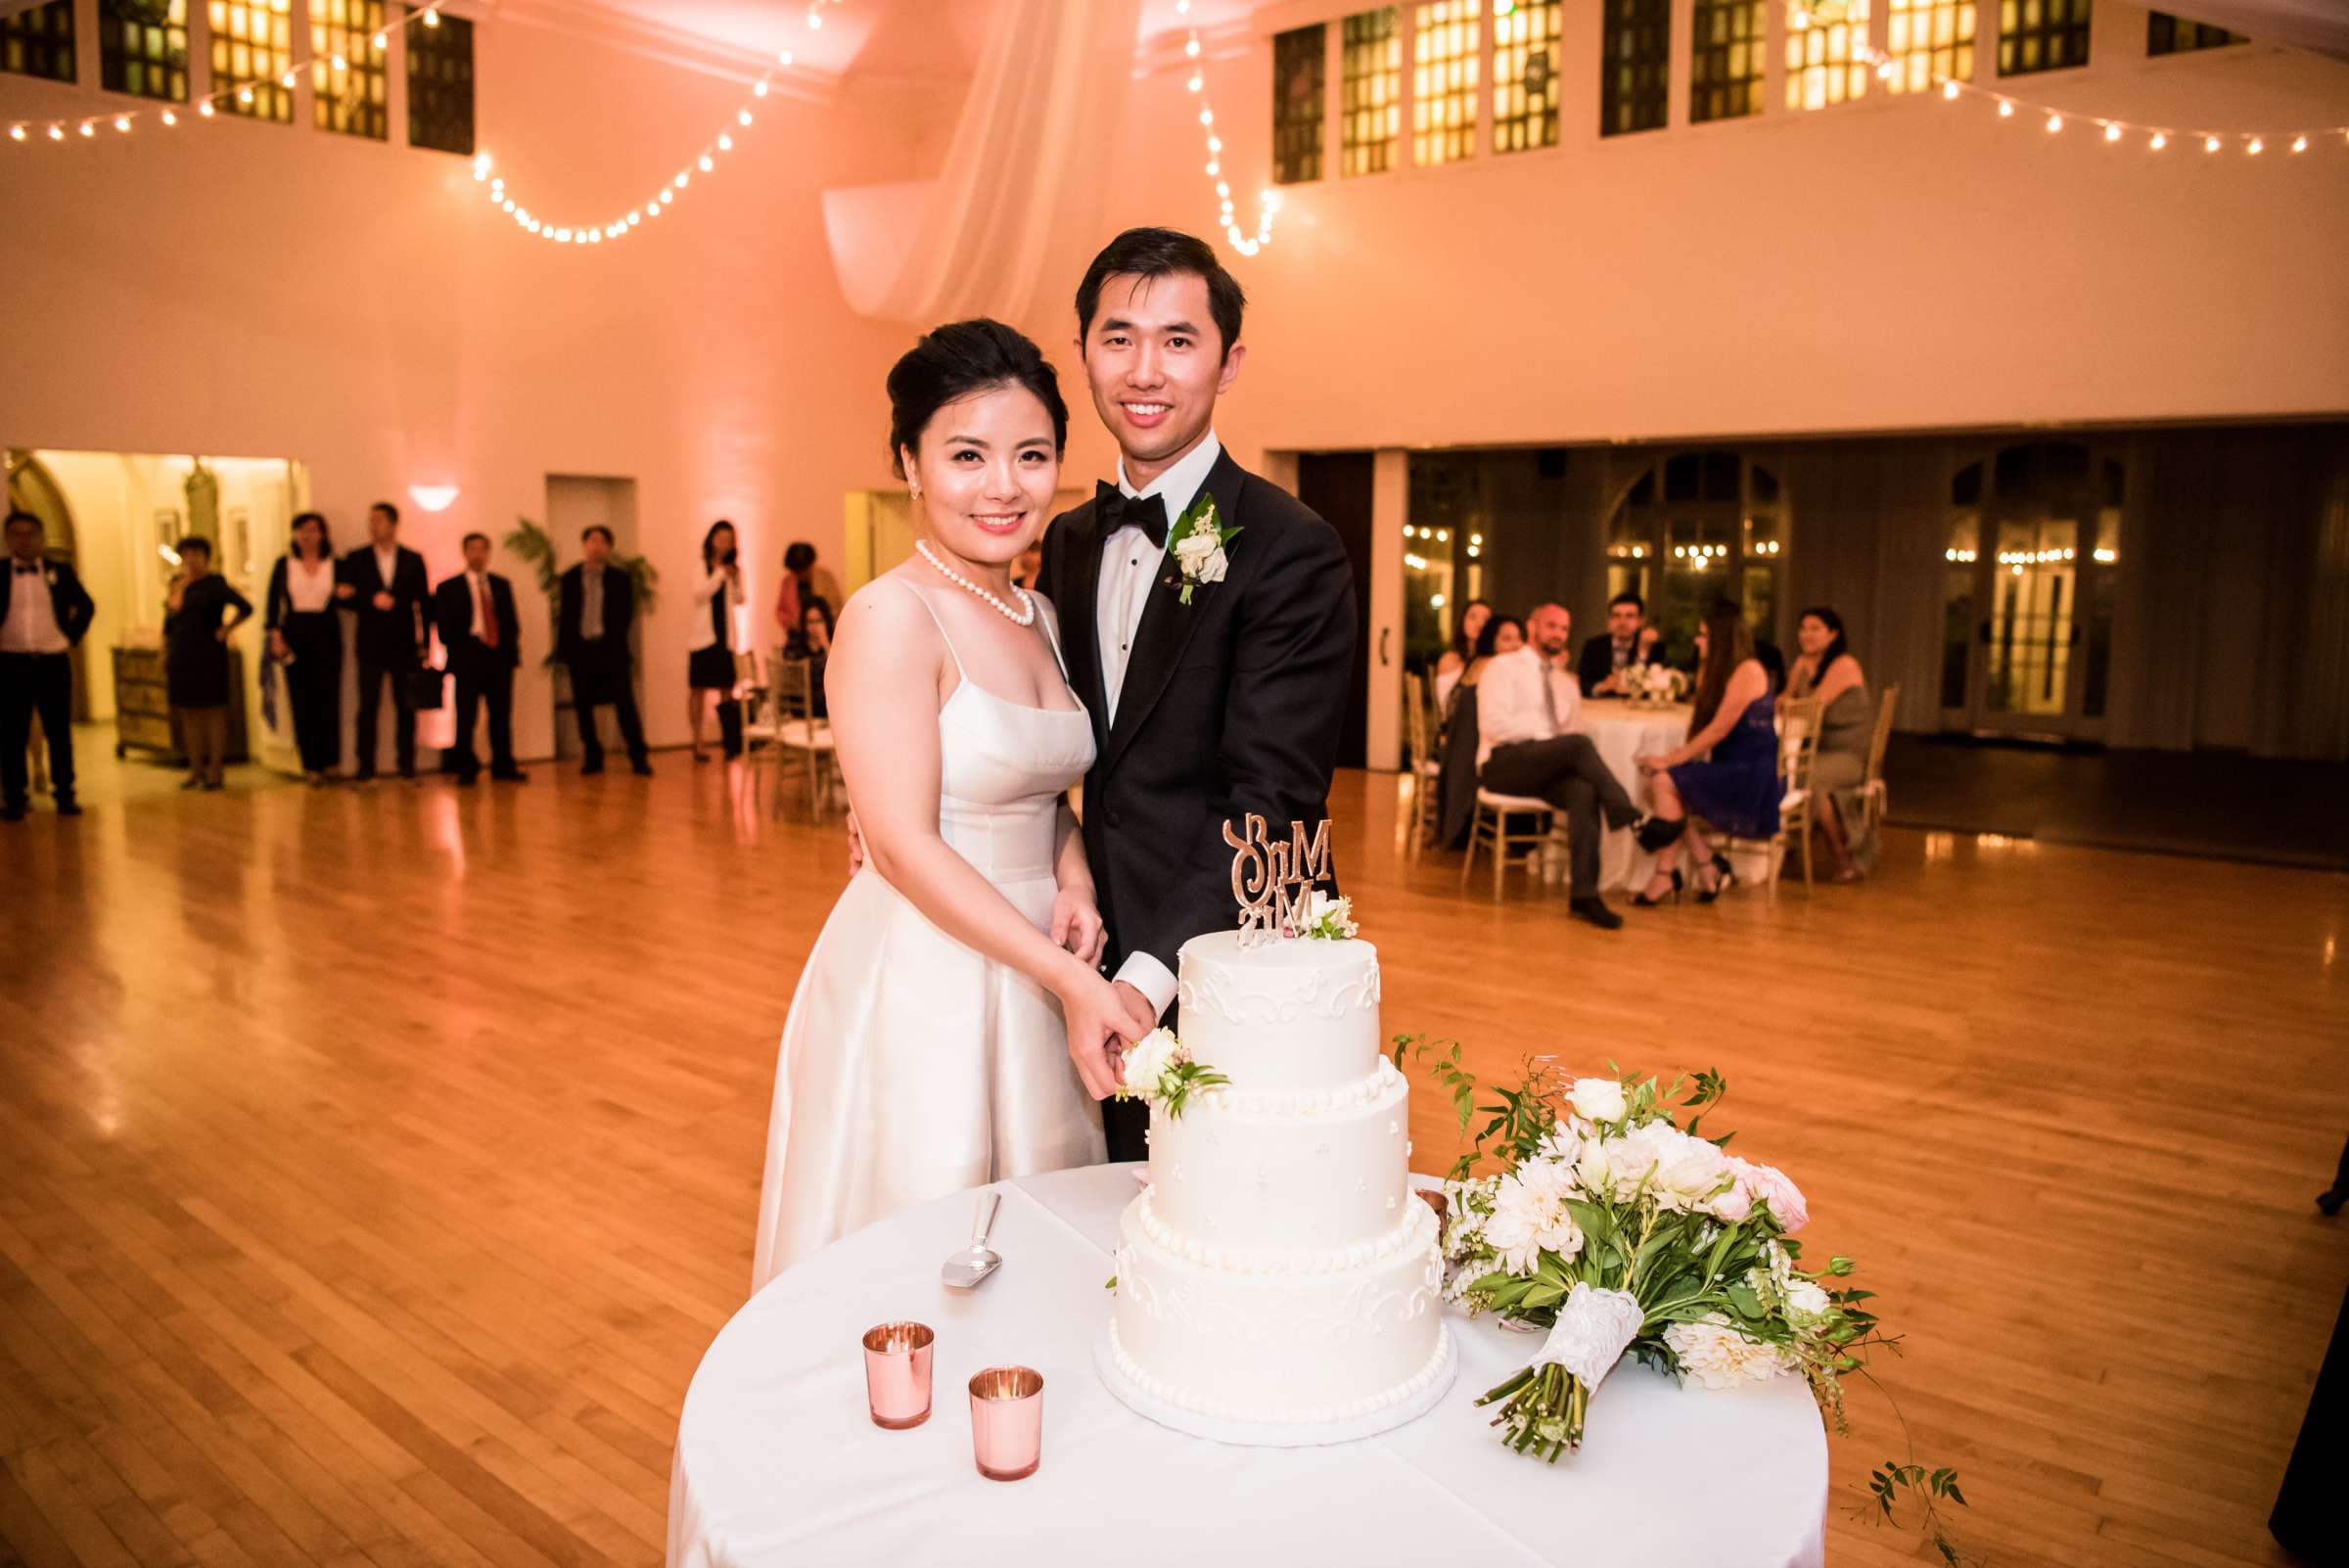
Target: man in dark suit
(1215, 675)
(483, 638)
(596, 606)
(387, 588)
(43, 613)
(1627, 643)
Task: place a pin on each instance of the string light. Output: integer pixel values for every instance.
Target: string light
(704, 160)
(1267, 201)
(2252, 143)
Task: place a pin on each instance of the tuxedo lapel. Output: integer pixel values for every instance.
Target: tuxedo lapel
(1167, 624)
(1080, 618)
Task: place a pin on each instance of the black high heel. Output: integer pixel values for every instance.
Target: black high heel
(1727, 879)
(1642, 901)
(1656, 833)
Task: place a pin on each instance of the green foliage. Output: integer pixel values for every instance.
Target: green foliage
(1177, 1082)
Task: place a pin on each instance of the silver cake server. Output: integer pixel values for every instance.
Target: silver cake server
(965, 1269)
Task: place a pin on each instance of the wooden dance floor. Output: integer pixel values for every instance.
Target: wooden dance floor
(375, 1168)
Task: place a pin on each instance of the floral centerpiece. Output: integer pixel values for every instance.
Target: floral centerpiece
(1618, 1228)
(1653, 685)
(1157, 1069)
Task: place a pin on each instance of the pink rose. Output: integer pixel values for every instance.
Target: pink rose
(1762, 1184)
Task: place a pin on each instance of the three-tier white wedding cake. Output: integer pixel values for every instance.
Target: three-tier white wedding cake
(1277, 1283)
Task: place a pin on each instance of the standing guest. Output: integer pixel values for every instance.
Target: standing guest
(596, 607)
(388, 589)
(1527, 705)
(1629, 641)
(1827, 669)
(42, 616)
(1455, 659)
(710, 664)
(803, 580)
(306, 639)
(1737, 788)
(483, 638)
(204, 610)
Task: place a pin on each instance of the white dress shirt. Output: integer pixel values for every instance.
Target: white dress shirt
(387, 566)
(309, 587)
(1510, 705)
(1129, 564)
(477, 584)
(31, 626)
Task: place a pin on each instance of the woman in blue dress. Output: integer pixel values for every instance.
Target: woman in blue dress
(1736, 789)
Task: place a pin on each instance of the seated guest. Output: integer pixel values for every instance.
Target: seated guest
(1459, 745)
(204, 610)
(1628, 641)
(1827, 669)
(1526, 709)
(596, 604)
(483, 638)
(43, 613)
(814, 646)
(1449, 668)
(804, 579)
(305, 639)
(1737, 788)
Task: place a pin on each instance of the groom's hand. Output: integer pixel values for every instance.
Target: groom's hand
(1140, 1016)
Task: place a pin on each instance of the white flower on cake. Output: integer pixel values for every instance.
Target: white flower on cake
(1718, 1356)
(1156, 1069)
(1327, 918)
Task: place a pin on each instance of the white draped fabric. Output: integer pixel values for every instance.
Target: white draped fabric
(777, 1464)
(1026, 165)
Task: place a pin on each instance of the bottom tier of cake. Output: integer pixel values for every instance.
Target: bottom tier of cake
(1348, 1349)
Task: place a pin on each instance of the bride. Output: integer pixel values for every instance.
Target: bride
(951, 1027)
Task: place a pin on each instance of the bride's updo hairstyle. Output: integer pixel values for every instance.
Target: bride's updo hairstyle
(955, 360)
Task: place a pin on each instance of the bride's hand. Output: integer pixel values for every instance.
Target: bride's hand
(1076, 924)
(1099, 1020)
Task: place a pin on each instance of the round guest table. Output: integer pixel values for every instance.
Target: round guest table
(778, 1464)
(1623, 735)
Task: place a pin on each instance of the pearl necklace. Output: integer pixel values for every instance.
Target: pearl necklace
(1024, 616)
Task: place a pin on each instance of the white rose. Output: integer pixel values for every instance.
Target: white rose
(1806, 1302)
(1597, 1099)
(1689, 1173)
(1146, 1059)
(1213, 570)
(1193, 549)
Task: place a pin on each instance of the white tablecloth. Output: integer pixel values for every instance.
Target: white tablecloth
(1623, 735)
(777, 1462)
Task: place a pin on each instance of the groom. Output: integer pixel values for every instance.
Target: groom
(1215, 675)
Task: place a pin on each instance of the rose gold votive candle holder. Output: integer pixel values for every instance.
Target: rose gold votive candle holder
(896, 1373)
(1008, 1423)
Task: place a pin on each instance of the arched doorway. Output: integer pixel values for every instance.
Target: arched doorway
(1696, 527)
(2032, 566)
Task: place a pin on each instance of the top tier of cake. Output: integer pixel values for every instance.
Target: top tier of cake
(1293, 1016)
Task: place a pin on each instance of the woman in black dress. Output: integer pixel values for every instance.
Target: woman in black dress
(204, 610)
(710, 664)
(306, 639)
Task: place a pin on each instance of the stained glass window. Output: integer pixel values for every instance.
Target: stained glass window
(2166, 34)
(253, 52)
(348, 85)
(1822, 53)
(2041, 35)
(1727, 58)
(143, 48)
(1635, 84)
(1299, 66)
(1372, 93)
(1930, 41)
(1525, 75)
(440, 85)
(1448, 42)
(39, 42)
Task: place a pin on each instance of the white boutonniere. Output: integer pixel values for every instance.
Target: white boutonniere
(1197, 540)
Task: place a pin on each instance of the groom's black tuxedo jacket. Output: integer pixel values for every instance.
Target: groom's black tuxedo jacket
(1231, 704)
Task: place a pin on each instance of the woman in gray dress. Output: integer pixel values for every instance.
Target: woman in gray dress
(1830, 671)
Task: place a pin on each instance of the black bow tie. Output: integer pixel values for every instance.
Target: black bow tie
(1114, 509)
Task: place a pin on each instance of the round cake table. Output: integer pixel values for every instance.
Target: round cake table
(778, 1464)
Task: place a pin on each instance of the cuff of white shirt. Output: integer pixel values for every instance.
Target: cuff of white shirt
(1148, 975)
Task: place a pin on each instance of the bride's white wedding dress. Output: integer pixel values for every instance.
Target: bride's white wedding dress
(912, 1068)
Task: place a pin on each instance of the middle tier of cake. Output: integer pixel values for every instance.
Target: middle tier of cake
(1323, 1171)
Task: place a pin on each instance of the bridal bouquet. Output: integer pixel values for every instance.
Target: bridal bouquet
(1618, 1228)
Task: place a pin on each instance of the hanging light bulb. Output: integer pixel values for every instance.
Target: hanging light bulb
(742, 117)
(16, 133)
(87, 130)
(2299, 144)
(2210, 144)
(2256, 148)
(122, 123)
(1949, 90)
(707, 165)
(726, 144)
(2006, 109)
(432, 15)
(759, 90)
(2159, 141)
(2112, 133)
(2055, 124)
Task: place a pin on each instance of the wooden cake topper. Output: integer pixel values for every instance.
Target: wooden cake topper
(1272, 882)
